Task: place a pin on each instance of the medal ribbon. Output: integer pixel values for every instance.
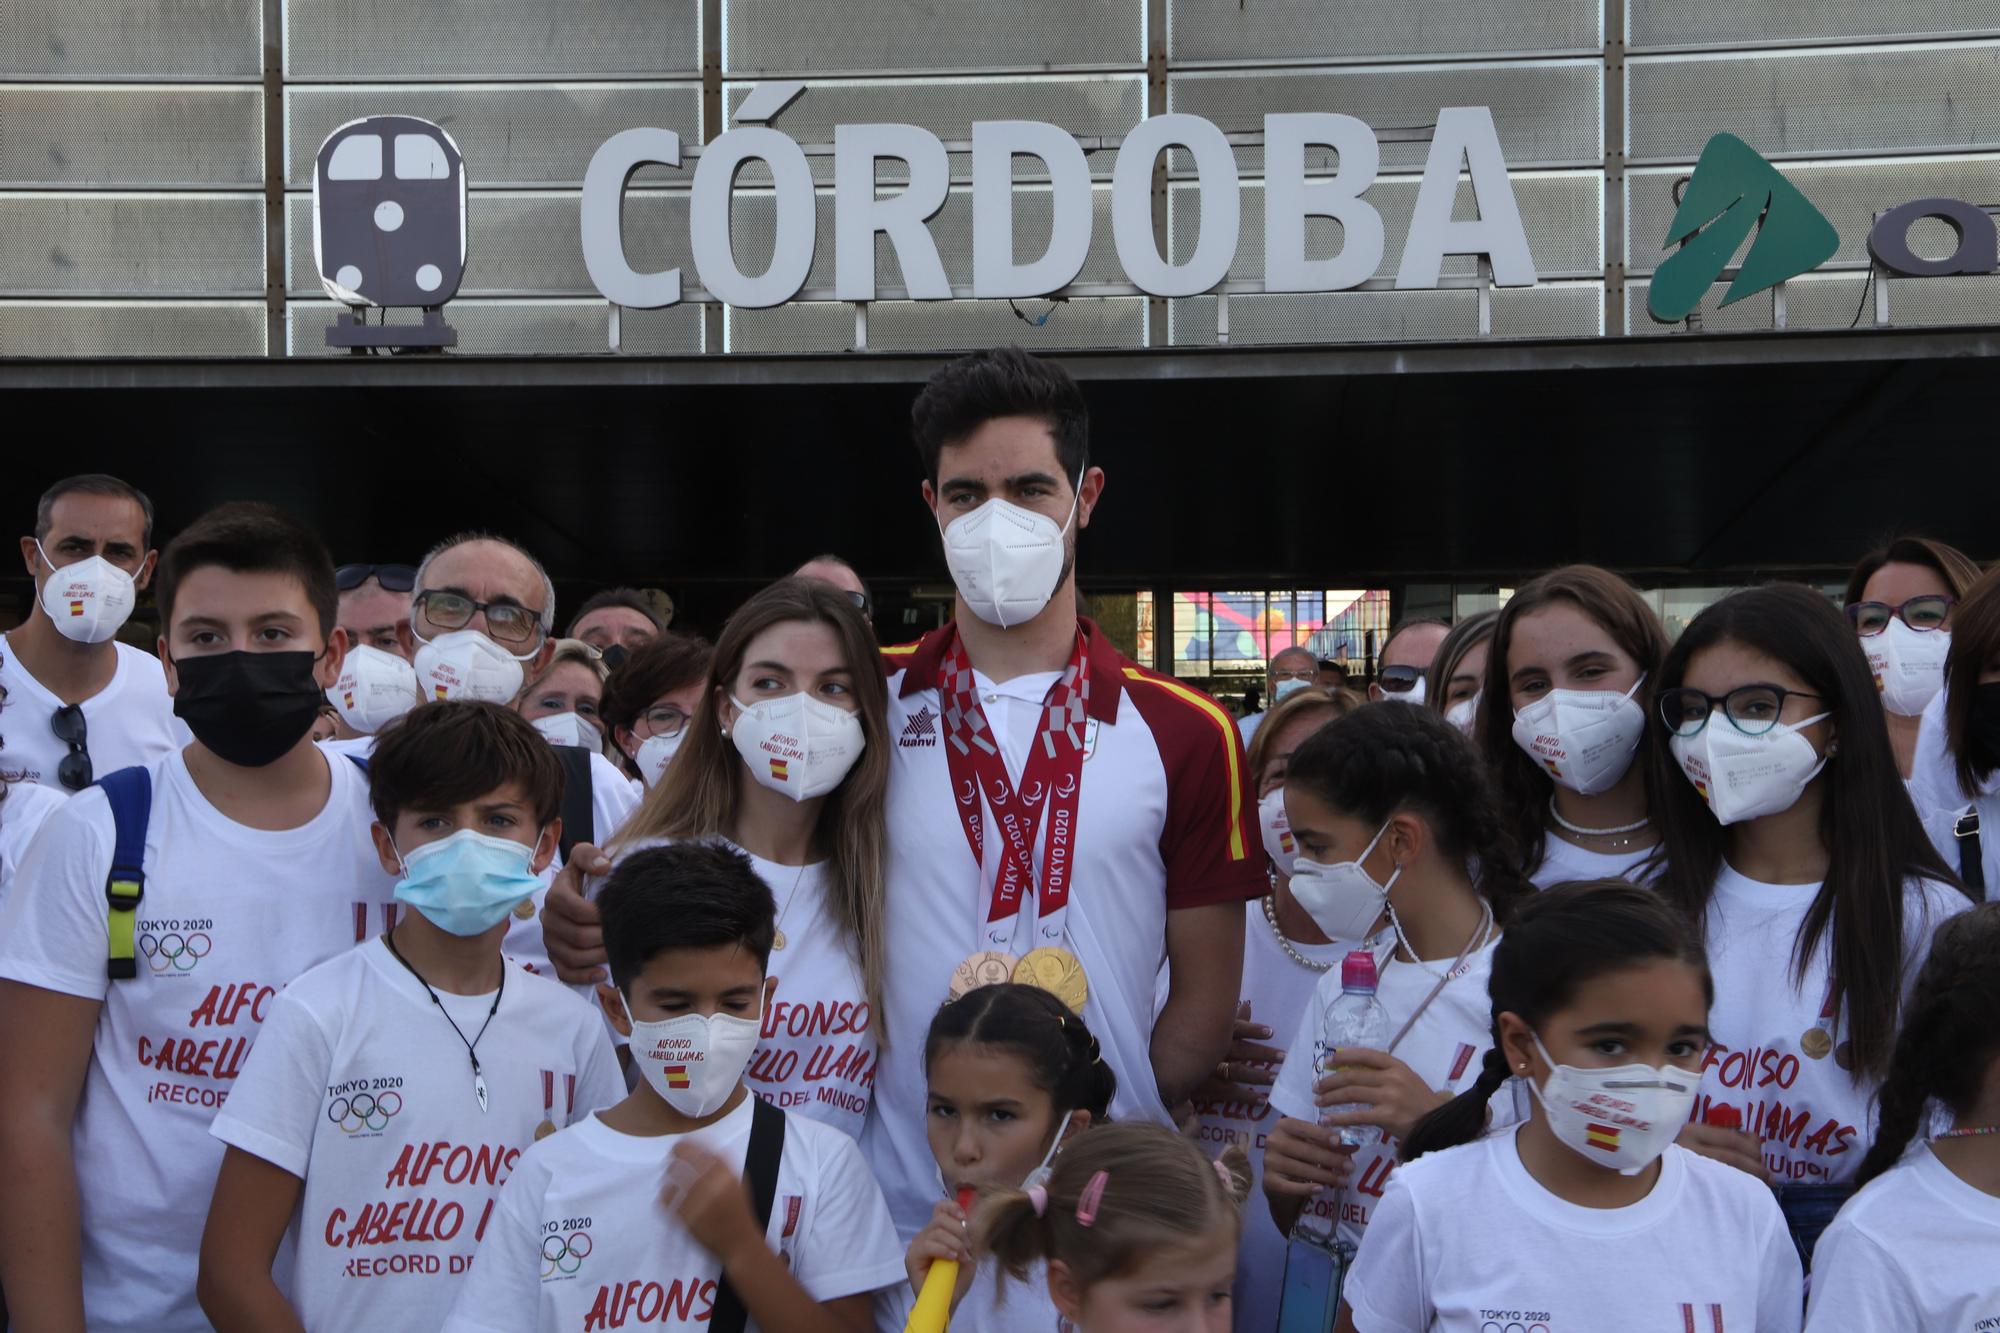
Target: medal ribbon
(1051, 783)
(548, 1093)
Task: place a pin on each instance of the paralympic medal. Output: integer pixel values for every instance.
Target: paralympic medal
(524, 910)
(988, 967)
(1816, 1043)
(543, 1130)
(778, 940)
(1056, 971)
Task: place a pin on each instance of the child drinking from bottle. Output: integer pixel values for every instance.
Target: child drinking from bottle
(1138, 1229)
(1014, 1077)
(1585, 1215)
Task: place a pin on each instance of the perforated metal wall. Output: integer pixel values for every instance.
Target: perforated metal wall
(917, 36)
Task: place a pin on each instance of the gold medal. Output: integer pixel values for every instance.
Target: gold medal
(1058, 972)
(1816, 1043)
(524, 910)
(988, 967)
(544, 1129)
(778, 940)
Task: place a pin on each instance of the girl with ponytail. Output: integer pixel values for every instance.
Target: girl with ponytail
(1585, 1213)
(1014, 1080)
(1403, 853)
(1916, 1248)
(1137, 1228)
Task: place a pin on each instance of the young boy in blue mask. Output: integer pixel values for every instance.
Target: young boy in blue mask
(395, 1087)
(691, 1201)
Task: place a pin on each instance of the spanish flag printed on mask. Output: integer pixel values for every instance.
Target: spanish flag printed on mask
(1601, 1136)
(780, 770)
(677, 1076)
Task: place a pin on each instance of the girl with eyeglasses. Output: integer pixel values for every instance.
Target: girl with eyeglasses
(1789, 838)
(1900, 600)
(1562, 721)
(648, 699)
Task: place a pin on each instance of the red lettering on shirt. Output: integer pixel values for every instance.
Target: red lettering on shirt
(643, 1301)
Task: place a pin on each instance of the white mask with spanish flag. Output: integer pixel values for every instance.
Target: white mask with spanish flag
(1279, 843)
(694, 1061)
(88, 600)
(796, 744)
(1623, 1118)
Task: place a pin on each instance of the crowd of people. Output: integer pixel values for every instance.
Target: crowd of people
(374, 957)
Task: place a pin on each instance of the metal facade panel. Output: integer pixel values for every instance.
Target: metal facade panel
(491, 39)
(1566, 311)
(787, 36)
(131, 328)
(1286, 30)
(132, 245)
(1780, 22)
(131, 39)
(524, 328)
(111, 138)
(911, 326)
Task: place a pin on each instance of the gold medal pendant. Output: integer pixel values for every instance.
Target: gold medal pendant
(988, 967)
(1058, 972)
(524, 910)
(543, 1130)
(1816, 1043)
(778, 940)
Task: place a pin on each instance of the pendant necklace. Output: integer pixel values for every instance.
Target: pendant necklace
(471, 1047)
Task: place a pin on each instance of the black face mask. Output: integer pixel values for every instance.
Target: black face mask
(250, 708)
(1984, 739)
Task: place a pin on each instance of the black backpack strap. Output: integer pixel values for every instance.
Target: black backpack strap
(760, 1176)
(1971, 863)
(579, 824)
(129, 792)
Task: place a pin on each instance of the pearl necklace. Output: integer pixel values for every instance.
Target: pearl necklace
(1277, 932)
(1579, 830)
(1970, 1132)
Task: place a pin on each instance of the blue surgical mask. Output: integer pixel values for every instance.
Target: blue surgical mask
(467, 884)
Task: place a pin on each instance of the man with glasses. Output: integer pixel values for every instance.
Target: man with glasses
(1289, 671)
(80, 704)
(1405, 658)
(832, 569)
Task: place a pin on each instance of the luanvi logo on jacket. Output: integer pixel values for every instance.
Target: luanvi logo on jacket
(1734, 194)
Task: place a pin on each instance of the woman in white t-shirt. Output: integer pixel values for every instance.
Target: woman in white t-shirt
(787, 757)
(1916, 1248)
(1919, 1243)
(1586, 1215)
(1900, 599)
(1967, 836)
(1563, 722)
(1789, 837)
(1394, 815)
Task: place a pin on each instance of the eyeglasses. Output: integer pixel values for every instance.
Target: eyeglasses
(508, 622)
(860, 600)
(1400, 679)
(1924, 613)
(664, 720)
(73, 730)
(396, 578)
(1751, 709)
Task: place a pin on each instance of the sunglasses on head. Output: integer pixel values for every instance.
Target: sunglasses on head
(396, 578)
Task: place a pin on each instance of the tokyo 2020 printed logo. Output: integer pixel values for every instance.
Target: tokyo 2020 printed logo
(562, 1255)
(173, 951)
(364, 1112)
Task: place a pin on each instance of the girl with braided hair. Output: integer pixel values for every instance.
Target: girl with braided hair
(1586, 1215)
(1014, 1078)
(1402, 852)
(1917, 1247)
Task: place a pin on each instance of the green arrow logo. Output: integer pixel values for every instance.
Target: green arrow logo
(1732, 191)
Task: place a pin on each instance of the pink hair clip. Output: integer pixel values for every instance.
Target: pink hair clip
(1038, 1195)
(1222, 1174)
(1093, 1195)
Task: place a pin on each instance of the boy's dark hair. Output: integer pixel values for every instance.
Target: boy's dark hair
(248, 537)
(92, 483)
(439, 755)
(1061, 1054)
(692, 895)
(1002, 382)
(629, 598)
(667, 662)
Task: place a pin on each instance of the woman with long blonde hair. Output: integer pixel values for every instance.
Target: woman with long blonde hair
(786, 757)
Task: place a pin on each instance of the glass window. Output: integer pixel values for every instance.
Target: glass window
(356, 158)
(420, 158)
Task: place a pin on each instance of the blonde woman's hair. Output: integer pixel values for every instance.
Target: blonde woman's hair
(1159, 1190)
(696, 796)
(584, 655)
(1336, 704)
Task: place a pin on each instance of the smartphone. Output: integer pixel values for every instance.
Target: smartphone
(1310, 1298)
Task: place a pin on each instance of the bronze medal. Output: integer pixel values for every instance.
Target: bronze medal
(1058, 972)
(524, 910)
(543, 1130)
(778, 940)
(1816, 1043)
(988, 967)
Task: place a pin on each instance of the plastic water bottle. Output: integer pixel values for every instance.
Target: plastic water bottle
(1355, 1018)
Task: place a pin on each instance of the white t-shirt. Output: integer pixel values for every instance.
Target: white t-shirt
(1024, 1307)
(22, 811)
(1280, 992)
(1917, 1248)
(1166, 820)
(361, 1089)
(264, 906)
(130, 722)
(580, 1240)
(1466, 1241)
(1563, 861)
(1445, 1049)
(1816, 1121)
(816, 1054)
(1933, 782)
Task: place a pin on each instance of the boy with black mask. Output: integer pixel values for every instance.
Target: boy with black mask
(154, 920)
